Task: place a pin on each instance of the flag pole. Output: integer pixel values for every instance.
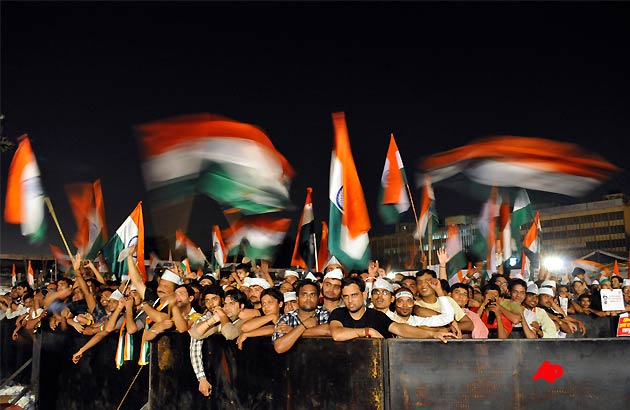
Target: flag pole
(204, 256)
(54, 216)
(315, 246)
(415, 216)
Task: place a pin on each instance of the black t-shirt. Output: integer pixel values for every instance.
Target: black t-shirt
(371, 318)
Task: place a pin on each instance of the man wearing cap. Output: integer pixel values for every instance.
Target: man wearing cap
(291, 276)
(382, 297)
(356, 320)
(333, 263)
(566, 323)
(578, 273)
(537, 318)
(616, 281)
(307, 320)
(331, 289)
(405, 303)
(290, 302)
(256, 286)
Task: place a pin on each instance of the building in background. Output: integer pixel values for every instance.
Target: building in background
(570, 232)
(574, 231)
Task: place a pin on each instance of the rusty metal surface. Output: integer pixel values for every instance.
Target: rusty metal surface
(467, 374)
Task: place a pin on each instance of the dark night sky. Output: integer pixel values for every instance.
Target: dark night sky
(78, 76)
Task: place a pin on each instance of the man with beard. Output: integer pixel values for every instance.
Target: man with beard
(183, 313)
(356, 320)
(213, 299)
(331, 290)
(256, 286)
(307, 320)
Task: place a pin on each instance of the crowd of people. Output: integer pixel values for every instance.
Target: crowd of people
(251, 302)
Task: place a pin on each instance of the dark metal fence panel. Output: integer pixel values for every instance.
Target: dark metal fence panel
(13, 354)
(93, 383)
(499, 374)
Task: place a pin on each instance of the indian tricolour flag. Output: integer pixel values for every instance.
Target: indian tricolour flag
(257, 236)
(219, 253)
(304, 249)
(348, 220)
(131, 232)
(25, 196)
(457, 258)
(194, 254)
(88, 207)
(428, 213)
(507, 243)
(531, 250)
(522, 214)
(232, 162)
(393, 197)
(484, 244)
(30, 276)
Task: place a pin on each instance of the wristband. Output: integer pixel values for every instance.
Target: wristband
(367, 332)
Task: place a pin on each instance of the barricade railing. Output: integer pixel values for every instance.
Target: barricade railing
(319, 373)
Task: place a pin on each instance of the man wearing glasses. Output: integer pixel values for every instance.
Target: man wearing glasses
(356, 320)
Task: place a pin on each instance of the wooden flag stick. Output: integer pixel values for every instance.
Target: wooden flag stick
(415, 216)
(54, 216)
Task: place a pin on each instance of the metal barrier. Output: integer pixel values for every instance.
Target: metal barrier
(319, 373)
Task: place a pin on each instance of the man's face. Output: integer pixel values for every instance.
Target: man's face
(77, 294)
(181, 298)
(28, 302)
(544, 300)
(205, 282)
(211, 301)
(51, 287)
(242, 274)
(105, 297)
(585, 303)
(606, 285)
(21, 290)
(112, 304)
(254, 293)
(137, 299)
(517, 293)
(307, 298)
(422, 282)
(290, 305)
(231, 308)
(460, 295)
(62, 284)
(578, 287)
(270, 305)
(381, 298)
(352, 298)
(332, 289)
(165, 288)
(291, 279)
(563, 292)
(503, 284)
(615, 282)
(531, 300)
(410, 283)
(626, 294)
(492, 294)
(404, 306)
(286, 287)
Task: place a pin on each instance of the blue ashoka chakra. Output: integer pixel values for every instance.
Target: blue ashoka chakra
(339, 198)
